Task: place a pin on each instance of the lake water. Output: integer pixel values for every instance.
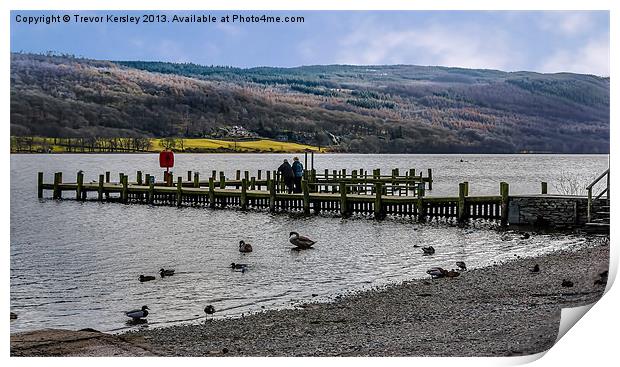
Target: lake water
(76, 264)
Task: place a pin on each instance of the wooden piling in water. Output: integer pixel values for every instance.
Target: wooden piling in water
(222, 180)
(100, 188)
(504, 192)
(430, 179)
(543, 188)
(125, 183)
(80, 183)
(139, 177)
(179, 190)
(189, 176)
(151, 192)
(272, 196)
(343, 200)
(243, 200)
(107, 180)
(378, 210)
(57, 193)
(212, 192)
(466, 183)
(40, 185)
(461, 215)
(306, 194)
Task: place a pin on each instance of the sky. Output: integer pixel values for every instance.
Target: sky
(542, 41)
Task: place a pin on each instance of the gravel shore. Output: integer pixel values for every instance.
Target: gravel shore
(502, 310)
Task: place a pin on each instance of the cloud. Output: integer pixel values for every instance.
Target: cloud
(567, 23)
(592, 58)
(467, 46)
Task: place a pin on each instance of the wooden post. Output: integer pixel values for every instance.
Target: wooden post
(214, 174)
(179, 190)
(430, 179)
(461, 213)
(80, 185)
(312, 160)
(258, 177)
(100, 188)
(306, 193)
(421, 209)
(222, 180)
(238, 178)
(272, 196)
(212, 192)
(466, 188)
(378, 210)
(151, 191)
(305, 161)
(252, 183)
(40, 184)
(107, 180)
(196, 179)
(243, 201)
(189, 176)
(57, 193)
(139, 177)
(344, 211)
(543, 188)
(124, 182)
(504, 191)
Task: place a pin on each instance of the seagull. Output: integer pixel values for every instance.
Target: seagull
(138, 314)
(300, 241)
(166, 273)
(428, 250)
(461, 265)
(146, 278)
(244, 247)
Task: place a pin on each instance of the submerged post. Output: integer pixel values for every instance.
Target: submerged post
(57, 193)
(40, 184)
(179, 190)
(543, 188)
(212, 192)
(244, 188)
(100, 188)
(306, 193)
(80, 184)
(378, 191)
(504, 190)
(461, 212)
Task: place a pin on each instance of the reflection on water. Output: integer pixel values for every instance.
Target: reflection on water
(76, 265)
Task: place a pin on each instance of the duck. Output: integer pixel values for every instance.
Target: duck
(567, 283)
(146, 278)
(238, 266)
(428, 250)
(244, 247)
(166, 273)
(461, 265)
(436, 272)
(525, 235)
(300, 242)
(209, 310)
(138, 314)
(535, 269)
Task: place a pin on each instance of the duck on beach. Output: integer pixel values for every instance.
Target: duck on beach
(300, 242)
(428, 250)
(166, 273)
(138, 314)
(461, 265)
(209, 310)
(146, 278)
(244, 247)
(436, 272)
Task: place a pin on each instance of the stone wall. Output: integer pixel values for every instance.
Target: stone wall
(549, 210)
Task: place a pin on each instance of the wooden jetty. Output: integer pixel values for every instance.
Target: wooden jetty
(358, 192)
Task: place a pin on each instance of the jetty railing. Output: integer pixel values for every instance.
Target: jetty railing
(590, 188)
(346, 196)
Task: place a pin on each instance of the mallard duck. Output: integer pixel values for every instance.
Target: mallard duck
(238, 266)
(166, 273)
(146, 278)
(436, 272)
(300, 241)
(244, 247)
(535, 269)
(428, 250)
(138, 314)
(461, 265)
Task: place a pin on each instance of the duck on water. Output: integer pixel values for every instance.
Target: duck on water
(138, 314)
(300, 242)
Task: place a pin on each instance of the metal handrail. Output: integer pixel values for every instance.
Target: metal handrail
(589, 188)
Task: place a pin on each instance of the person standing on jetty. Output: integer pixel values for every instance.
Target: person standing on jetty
(298, 170)
(286, 171)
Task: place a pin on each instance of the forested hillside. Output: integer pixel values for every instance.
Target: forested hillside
(372, 109)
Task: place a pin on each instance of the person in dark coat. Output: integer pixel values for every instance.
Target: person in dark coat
(286, 171)
(298, 170)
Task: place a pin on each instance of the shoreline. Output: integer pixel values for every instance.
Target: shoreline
(499, 310)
